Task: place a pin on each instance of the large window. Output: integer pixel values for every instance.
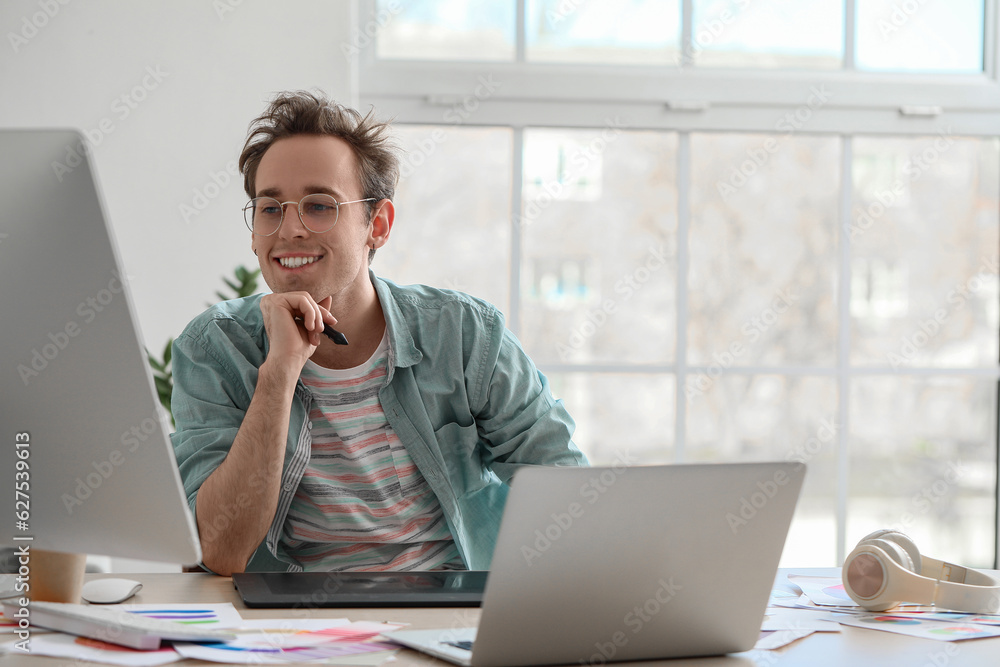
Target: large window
(726, 230)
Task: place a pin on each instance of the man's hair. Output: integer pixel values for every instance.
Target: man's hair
(302, 112)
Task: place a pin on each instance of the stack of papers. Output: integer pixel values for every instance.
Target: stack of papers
(806, 600)
(258, 642)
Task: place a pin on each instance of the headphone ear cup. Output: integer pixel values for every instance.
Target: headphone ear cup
(901, 540)
(893, 550)
(865, 577)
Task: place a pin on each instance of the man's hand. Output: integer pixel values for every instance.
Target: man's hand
(294, 324)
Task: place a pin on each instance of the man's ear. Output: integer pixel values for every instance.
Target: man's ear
(385, 215)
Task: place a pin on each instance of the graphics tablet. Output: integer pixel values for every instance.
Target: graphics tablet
(446, 588)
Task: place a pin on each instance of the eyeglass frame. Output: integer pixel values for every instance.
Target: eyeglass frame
(298, 208)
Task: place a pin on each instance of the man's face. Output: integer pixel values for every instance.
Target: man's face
(292, 168)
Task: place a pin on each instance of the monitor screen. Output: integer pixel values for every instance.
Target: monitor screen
(86, 458)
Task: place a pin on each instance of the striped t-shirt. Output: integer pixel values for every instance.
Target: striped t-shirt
(362, 504)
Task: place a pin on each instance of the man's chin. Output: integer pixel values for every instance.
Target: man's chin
(283, 287)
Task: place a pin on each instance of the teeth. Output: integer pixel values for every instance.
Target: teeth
(295, 262)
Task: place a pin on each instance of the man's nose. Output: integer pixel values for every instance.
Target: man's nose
(291, 225)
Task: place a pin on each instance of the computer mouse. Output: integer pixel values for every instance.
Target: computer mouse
(109, 591)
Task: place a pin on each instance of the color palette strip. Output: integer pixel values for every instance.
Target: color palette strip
(216, 615)
(918, 627)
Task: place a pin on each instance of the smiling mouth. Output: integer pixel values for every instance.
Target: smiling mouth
(296, 262)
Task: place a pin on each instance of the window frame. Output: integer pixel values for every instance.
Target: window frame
(688, 99)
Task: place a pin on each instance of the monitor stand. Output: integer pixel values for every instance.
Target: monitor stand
(55, 576)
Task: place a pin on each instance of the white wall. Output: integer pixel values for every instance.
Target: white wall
(215, 64)
(196, 73)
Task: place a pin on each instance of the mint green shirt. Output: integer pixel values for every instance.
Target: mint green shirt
(465, 400)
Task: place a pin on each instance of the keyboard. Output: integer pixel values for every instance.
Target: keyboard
(115, 625)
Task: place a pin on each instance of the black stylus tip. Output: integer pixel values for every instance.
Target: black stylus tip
(334, 335)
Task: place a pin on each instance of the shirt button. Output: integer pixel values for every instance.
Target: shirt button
(309, 425)
(287, 486)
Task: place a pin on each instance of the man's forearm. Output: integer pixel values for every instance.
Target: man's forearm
(237, 502)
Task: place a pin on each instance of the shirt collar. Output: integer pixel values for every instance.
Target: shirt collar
(402, 351)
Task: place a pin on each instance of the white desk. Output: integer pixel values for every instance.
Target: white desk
(851, 647)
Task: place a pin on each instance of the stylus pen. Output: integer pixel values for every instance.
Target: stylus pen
(331, 333)
(334, 335)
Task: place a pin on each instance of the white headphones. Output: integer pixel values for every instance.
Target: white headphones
(886, 568)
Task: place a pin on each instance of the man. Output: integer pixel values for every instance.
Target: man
(389, 452)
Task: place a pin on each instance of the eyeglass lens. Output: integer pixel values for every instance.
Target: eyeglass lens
(318, 213)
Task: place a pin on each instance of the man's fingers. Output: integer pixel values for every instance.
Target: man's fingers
(325, 310)
(305, 309)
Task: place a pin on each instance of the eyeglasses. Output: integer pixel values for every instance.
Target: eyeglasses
(318, 213)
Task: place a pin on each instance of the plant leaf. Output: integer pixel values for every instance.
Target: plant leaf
(163, 386)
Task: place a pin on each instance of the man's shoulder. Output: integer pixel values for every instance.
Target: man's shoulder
(418, 297)
(243, 313)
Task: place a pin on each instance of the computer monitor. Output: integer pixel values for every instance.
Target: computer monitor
(81, 422)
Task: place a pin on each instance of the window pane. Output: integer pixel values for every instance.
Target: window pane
(935, 36)
(452, 226)
(642, 32)
(775, 418)
(924, 246)
(923, 461)
(763, 250)
(599, 217)
(620, 418)
(768, 33)
(446, 29)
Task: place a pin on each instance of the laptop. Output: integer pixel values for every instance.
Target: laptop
(596, 565)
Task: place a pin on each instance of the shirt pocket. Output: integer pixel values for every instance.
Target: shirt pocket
(459, 447)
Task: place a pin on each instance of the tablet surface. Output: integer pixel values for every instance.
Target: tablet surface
(445, 588)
